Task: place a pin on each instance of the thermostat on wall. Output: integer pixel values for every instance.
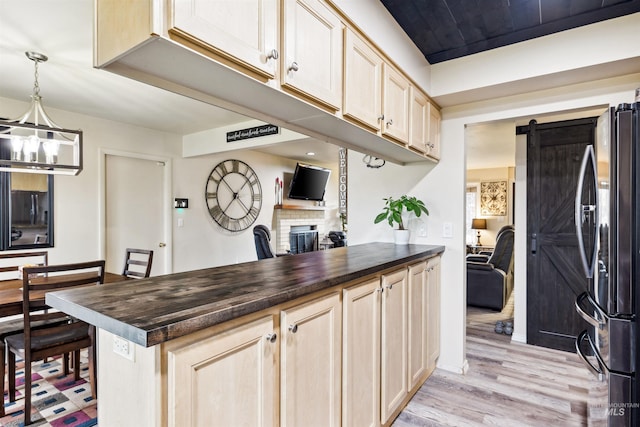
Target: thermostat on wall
(181, 203)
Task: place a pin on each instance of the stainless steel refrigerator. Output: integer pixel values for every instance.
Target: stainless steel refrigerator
(607, 217)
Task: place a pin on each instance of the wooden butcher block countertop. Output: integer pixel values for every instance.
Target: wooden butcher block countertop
(154, 310)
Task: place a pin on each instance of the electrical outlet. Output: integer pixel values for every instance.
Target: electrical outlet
(123, 347)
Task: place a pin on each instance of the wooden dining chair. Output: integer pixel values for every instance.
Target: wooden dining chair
(10, 263)
(137, 263)
(49, 333)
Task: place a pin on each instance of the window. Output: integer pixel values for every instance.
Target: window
(26, 209)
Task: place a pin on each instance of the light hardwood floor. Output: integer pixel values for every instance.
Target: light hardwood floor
(507, 384)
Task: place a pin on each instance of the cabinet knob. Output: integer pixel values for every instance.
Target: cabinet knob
(390, 286)
(272, 337)
(273, 54)
(381, 117)
(430, 146)
(390, 122)
(381, 290)
(293, 328)
(294, 66)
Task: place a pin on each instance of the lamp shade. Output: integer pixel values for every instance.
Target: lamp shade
(479, 224)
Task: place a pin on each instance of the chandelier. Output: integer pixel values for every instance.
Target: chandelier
(35, 143)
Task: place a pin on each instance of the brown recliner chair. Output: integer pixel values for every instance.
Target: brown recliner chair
(489, 284)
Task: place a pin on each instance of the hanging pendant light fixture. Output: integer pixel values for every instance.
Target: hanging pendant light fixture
(36, 143)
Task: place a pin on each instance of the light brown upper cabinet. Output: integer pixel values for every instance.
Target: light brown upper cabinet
(282, 61)
(395, 104)
(433, 144)
(419, 125)
(363, 82)
(244, 32)
(376, 94)
(312, 51)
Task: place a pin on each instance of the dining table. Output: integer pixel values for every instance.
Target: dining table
(11, 292)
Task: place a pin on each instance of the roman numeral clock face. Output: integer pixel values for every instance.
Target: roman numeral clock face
(234, 195)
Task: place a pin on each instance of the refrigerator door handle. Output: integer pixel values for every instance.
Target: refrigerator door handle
(584, 212)
(598, 371)
(601, 318)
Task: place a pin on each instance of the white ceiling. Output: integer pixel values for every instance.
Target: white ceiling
(63, 30)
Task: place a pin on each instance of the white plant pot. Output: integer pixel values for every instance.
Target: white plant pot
(401, 237)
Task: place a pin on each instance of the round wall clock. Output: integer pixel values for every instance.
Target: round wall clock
(233, 195)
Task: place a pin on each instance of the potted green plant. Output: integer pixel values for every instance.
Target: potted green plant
(392, 213)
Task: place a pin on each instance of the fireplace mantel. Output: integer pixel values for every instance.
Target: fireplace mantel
(300, 207)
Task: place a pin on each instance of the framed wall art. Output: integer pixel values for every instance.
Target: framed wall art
(493, 198)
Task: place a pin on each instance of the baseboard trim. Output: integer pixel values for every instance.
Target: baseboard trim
(521, 338)
(455, 368)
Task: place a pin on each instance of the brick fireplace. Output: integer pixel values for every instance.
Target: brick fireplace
(286, 217)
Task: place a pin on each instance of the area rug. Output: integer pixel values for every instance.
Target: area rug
(57, 400)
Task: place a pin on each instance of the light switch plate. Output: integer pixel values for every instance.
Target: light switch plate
(447, 230)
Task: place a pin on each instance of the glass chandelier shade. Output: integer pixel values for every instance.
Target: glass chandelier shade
(37, 144)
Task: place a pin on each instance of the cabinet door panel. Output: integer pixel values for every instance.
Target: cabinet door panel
(363, 81)
(433, 145)
(361, 355)
(310, 363)
(243, 30)
(227, 379)
(313, 41)
(417, 323)
(394, 342)
(395, 99)
(419, 120)
(433, 314)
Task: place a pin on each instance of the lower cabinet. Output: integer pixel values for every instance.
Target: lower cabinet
(311, 350)
(225, 379)
(417, 324)
(393, 363)
(361, 354)
(348, 358)
(390, 341)
(433, 312)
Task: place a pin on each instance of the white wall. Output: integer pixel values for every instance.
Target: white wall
(577, 97)
(581, 54)
(201, 242)
(76, 198)
(494, 223)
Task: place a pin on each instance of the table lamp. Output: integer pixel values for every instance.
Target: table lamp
(478, 224)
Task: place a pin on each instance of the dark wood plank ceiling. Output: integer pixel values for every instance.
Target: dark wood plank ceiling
(448, 29)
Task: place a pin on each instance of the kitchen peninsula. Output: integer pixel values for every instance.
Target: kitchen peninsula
(321, 338)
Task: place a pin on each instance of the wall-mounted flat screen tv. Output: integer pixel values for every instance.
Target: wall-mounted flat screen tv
(309, 182)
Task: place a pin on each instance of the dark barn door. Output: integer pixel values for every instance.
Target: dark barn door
(554, 270)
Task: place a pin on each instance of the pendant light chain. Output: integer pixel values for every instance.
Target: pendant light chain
(36, 85)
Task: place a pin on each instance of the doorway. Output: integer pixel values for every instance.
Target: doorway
(490, 177)
(486, 144)
(136, 210)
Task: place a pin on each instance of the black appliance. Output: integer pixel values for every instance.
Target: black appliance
(309, 182)
(607, 217)
(339, 238)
